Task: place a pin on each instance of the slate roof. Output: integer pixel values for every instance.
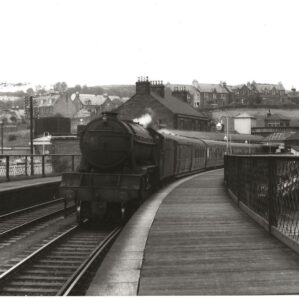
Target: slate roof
(278, 136)
(276, 116)
(293, 136)
(47, 100)
(113, 98)
(176, 106)
(263, 86)
(91, 99)
(203, 87)
(190, 88)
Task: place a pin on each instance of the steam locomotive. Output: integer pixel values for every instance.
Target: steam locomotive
(122, 162)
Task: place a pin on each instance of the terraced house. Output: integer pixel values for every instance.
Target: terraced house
(212, 95)
(55, 104)
(169, 108)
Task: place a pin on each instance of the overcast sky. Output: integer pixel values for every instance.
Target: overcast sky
(115, 41)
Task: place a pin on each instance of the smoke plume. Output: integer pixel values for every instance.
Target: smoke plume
(144, 120)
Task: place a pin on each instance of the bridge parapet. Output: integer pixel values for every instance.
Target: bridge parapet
(267, 188)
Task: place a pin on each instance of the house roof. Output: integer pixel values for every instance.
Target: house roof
(230, 88)
(244, 115)
(203, 87)
(176, 106)
(190, 88)
(294, 136)
(112, 98)
(276, 116)
(265, 86)
(47, 100)
(91, 99)
(278, 136)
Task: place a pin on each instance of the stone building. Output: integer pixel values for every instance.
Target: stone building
(166, 109)
(212, 95)
(186, 92)
(55, 104)
(89, 102)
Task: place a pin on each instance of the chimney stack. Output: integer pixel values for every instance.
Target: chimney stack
(181, 93)
(158, 87)
(143, 86)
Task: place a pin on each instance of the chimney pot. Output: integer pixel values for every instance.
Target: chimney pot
(158, 88)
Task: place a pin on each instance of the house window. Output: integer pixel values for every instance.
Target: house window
(181, 124)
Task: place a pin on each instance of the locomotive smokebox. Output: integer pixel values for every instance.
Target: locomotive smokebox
(108, 143)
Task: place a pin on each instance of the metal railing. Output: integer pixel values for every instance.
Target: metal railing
(25, 166)
(268, 186)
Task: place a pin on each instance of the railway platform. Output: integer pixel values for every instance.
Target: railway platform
(192, 239)
(20, 194)
(22, 184)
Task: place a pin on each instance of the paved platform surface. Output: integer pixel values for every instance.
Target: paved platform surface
(200, 243)
(19, 184)
(120, 271)
(191, 239)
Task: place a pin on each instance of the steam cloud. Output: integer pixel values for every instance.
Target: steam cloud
(144, 120)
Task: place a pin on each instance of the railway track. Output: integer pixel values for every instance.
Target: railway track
(13, 222)
(58, 267)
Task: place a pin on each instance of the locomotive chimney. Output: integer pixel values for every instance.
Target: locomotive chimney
(143, 86)
(158, 88)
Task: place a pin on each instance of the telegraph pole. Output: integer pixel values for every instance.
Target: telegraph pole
(31, 132)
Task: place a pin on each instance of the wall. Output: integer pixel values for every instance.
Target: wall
(243, 125)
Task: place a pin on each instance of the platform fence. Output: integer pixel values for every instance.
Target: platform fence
(14, 167)
(268, 186)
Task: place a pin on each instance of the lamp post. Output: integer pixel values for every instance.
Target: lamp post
(226, 138)
(1, 124)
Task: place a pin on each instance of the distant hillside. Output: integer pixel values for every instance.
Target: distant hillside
(120, 90)
(259, 113)
(115, 90)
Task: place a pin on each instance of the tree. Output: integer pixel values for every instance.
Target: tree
(40, 89)
(30, 91)
(258, 99)
(60, 86)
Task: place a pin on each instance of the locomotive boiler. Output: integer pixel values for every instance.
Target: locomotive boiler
(118, 167)
(108, 143)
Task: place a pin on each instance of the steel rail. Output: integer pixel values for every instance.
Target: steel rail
(33, 221)
(4, 276)
(16, 213)
(81, 271)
